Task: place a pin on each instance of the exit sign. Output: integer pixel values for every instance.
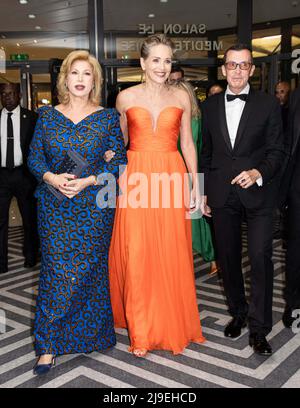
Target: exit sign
(19, 57)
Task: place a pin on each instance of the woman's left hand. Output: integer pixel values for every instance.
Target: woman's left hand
(73, 187)
(195, 200)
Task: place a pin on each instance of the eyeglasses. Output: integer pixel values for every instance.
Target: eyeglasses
(244, 65)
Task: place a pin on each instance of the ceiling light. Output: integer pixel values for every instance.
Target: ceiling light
(18, 45)
(31, 15)
(35, 41)
(38, 27)
(23, 1)
(164, 1)
(151, 15)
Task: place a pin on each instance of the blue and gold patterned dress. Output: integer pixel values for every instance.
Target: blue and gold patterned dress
(73, 309)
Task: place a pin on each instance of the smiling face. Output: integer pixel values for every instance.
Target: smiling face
(238, 78)
(158, 64)
(80, 79)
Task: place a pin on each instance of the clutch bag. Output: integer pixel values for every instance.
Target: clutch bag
(73, 163)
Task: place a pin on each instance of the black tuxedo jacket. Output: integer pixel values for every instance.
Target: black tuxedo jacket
(27, 124)
(258, 145)
(292, 168)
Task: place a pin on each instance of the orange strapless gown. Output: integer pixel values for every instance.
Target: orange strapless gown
(151, 269)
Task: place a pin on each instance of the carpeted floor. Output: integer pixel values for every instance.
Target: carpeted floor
(220, 362)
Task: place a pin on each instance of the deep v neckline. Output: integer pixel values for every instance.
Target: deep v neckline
(153, 120)
(86, 117)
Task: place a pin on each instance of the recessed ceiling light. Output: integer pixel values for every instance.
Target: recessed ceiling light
(164, 1)
(38, 27)
(35, 41)
(31, 15)
(18, 45)
(151, 15)
(23, 1)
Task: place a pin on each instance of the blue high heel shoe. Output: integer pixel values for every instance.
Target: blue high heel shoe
(40, 369)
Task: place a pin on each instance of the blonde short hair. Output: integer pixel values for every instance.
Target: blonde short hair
(153, 40)
(80, 55)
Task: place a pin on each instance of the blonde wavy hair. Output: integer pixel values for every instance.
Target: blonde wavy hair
(186, 86)
(79, 55)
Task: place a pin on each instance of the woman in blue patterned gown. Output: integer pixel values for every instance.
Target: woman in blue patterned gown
(73, 310)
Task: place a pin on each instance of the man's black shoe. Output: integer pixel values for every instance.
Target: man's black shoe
(287, 318)
(235, 326)
(260, 345)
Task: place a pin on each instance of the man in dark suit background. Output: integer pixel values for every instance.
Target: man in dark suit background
(16, 130)
(291, 185)
(241, 157)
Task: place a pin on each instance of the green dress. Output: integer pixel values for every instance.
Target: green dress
(201, 233)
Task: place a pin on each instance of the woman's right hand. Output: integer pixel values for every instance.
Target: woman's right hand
(108, 155)
(58, 180)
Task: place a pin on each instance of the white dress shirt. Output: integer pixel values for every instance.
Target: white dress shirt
(233, 111)
(16, 119)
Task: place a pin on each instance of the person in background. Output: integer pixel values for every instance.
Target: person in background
(282, 92)
(214, 89)
(16, 131)
(73, 308)
(280, 215)
(201, 231)
(176, 74)
(290, 196)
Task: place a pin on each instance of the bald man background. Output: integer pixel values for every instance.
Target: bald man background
(16, 129)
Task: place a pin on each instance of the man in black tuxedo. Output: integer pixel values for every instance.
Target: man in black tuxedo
(241, 157)
(16, 130)
(291, 184)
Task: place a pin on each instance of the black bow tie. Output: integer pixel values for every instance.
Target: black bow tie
(243, 97)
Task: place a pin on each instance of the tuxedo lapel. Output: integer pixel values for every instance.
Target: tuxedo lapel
(223, 122)
(24, 122)
(244, 118)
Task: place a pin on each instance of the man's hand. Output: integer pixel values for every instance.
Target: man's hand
(247, 178)
(205, 209)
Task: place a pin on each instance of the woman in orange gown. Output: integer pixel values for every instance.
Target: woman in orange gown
(151, 263)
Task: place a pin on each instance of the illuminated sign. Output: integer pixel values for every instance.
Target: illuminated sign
(177, 29)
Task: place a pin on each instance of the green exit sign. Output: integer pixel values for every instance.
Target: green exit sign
(19, 57)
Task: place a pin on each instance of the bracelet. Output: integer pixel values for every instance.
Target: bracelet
(96, 180)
